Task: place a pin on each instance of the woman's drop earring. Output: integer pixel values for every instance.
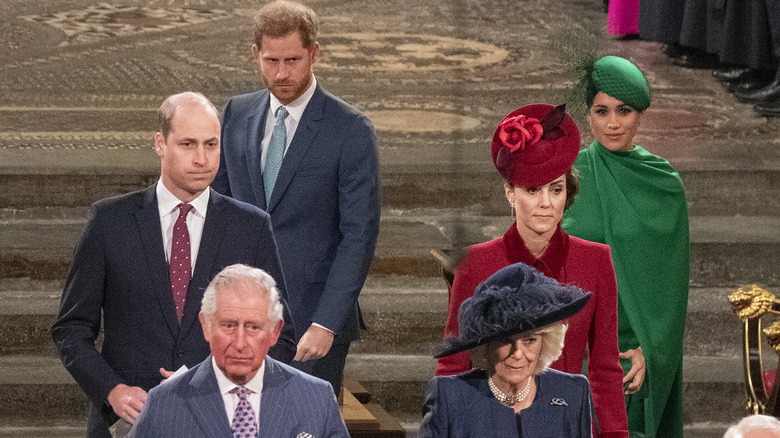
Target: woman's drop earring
(512, 212)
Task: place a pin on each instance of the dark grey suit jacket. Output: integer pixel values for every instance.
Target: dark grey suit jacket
(119, 272)
(292, 404)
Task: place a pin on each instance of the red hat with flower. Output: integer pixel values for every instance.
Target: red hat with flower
(535, 144)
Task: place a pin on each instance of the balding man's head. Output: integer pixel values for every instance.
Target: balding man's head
(168, 108)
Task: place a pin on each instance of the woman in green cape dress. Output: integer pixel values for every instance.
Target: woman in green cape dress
(634, 201)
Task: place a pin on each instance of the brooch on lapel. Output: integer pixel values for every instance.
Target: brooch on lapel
(304, 435)
(558, 402)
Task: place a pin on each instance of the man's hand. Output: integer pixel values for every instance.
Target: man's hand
(127, 401)
(633, 379)
(166, 374)
(314, 344)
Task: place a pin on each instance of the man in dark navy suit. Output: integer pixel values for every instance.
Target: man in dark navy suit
(309, 160)
(142, 266)
(238, 391)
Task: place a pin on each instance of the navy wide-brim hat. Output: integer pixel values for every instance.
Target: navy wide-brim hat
(535, 144)
(516, 299)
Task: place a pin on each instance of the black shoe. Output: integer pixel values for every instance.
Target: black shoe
(731, 74)
(749, 82)
(627, 37)
(771, 109)
(674, 50)
(769, 93)
(696, 59)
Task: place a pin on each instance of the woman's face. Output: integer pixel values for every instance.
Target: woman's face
(613, 123)
(538, 209)
(515, 359)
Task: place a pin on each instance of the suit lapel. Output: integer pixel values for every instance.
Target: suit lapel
(274, 415)
(206, 404)
(302, 140)
(210, 243)
(255, 129)
(150, 234)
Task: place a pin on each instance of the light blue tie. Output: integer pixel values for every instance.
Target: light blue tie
(275, 154)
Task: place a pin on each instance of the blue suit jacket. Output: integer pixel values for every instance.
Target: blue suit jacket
(463, 406)
(325, 205)
(119, 272)
(291, 404)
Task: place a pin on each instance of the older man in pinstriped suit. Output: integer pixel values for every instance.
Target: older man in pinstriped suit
(238, 384)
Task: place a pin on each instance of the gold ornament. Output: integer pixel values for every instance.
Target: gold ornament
(773, 336)
(751, 301)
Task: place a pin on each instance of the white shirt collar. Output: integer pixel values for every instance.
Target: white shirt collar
(225, 385)
(297, 106)
(167, 201)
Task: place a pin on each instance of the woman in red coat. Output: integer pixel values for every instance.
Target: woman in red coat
(534, 148)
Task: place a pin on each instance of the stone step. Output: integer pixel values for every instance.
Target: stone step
(693, 430)
(713, 386)
(449, 176)
(37, 389)
(726, 250)
(410, 423)
(405, 315)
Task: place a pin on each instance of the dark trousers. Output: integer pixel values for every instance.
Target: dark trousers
(773, 12)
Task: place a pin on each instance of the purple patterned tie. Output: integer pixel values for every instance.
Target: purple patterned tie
(180, 266)
(244, 424)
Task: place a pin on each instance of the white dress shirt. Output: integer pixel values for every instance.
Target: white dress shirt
(167, 204)
(231, 400)
(295, 110)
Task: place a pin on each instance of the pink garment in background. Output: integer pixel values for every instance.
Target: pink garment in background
(623, 17)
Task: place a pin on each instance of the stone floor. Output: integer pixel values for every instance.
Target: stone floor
(80, 81)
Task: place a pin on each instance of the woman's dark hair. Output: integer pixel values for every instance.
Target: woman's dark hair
(572, 187)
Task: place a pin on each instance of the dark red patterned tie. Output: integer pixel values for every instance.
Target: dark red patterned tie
(181, 266)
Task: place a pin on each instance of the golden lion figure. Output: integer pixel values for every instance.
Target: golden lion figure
(751, 301)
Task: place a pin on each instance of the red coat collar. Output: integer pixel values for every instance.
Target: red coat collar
(550, 263)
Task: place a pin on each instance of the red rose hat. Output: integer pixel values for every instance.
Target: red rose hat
(535, 144)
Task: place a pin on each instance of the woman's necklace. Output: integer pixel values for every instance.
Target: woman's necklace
(510, 400)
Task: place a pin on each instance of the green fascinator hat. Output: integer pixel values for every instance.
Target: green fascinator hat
(621, 79)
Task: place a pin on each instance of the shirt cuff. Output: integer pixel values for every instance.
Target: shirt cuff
(322, 327)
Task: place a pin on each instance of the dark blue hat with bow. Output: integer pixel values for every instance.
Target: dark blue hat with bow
(516, 299)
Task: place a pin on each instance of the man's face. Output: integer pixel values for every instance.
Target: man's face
(240, 332)
(285, 65)
(190, 154)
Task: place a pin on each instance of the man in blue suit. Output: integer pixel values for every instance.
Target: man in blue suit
(237, 387)
(310, 161)
(143, 263)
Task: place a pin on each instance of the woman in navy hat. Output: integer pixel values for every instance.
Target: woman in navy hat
(533, 149)
(514, 327)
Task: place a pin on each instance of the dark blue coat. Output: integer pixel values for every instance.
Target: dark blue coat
(325, 204)
(462, 406)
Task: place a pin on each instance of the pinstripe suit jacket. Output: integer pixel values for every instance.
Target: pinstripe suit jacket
(292, 404)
